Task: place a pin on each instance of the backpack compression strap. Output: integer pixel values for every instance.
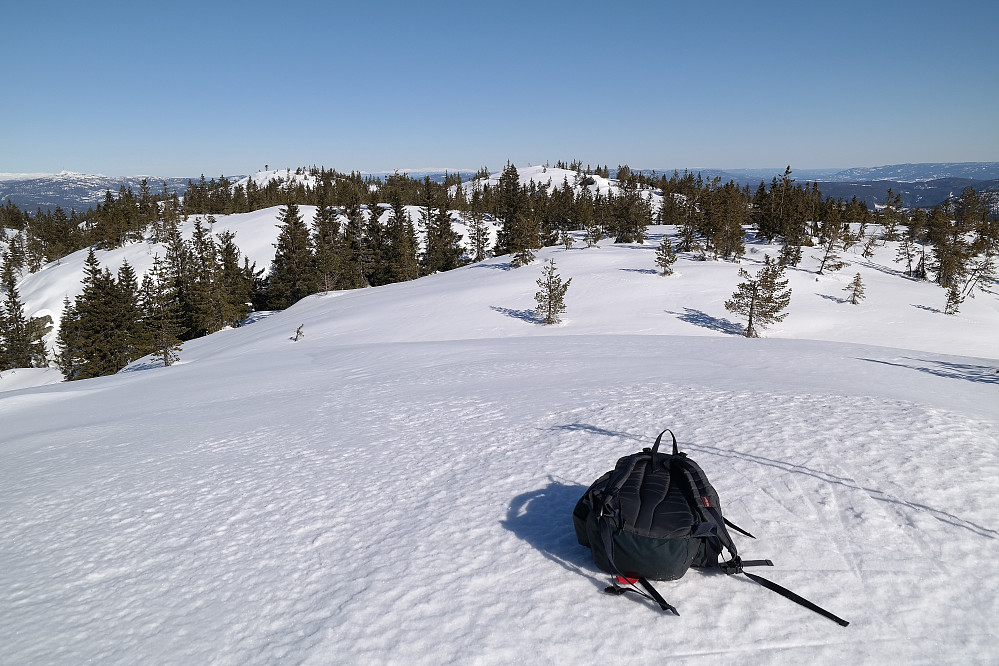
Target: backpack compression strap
(735, 566)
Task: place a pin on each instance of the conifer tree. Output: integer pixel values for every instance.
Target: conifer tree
(551, 297)
(520, 233)
(235, 282)
(350, 258)
(161, 316)
(293, 272)
(831, 232)
(21, 344)
(69, 342)
(763, 299)
(325, 240)
(126, 335)
(665, 256)
(855, 289)
(375, 256)
(88, 326)
(401, 237)
(206, 298)
(478, 231)
(954, 300)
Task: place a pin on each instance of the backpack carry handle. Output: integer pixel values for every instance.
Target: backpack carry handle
(655, 447)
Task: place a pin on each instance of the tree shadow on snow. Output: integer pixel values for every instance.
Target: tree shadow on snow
(973, 373)
(646, 271)
(704, 320)
(529, 316)
(834, 299)
(543, 519)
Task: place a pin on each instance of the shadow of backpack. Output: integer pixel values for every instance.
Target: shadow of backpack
(653, 517)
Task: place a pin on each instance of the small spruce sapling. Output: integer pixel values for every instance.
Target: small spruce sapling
(761, 299)
(551, 297)
(856, 289)
(666, 256)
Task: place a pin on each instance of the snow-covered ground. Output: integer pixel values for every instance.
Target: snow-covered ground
(396, 487)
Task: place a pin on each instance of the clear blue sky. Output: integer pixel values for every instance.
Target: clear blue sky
(184, 88)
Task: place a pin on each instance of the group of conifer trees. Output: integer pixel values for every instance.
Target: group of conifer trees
(362, 234)
(199, 286)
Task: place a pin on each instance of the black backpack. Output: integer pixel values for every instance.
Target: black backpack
(654, 516)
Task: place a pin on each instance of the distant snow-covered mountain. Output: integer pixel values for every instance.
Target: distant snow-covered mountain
(70, 190)
(914, 173)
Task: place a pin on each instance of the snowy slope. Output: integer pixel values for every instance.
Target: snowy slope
(396, 487)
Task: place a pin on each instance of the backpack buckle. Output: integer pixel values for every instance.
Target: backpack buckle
(733, 566)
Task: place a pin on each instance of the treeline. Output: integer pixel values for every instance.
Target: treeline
(198, 287)
(362, 234)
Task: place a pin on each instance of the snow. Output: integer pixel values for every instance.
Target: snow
(396, 486)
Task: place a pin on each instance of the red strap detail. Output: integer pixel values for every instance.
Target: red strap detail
(622, 580)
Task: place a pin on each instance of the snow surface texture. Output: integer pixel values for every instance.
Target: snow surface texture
(397, 486)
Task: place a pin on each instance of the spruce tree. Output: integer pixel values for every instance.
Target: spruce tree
(206, 298)
(236, 282)
(325, 240)
(126, 335)
(88, 327)
(520, 232)
(665, 256)
(21, 344)
(832, 242)
(161, 316)
(293, 272)
(551, 297)
(855, 289)
(478, 231)
(69, 342)
(375, 255)
(763, 299)
(443, 245)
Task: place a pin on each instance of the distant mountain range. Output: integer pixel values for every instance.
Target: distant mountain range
(75, 190)
(919, 184)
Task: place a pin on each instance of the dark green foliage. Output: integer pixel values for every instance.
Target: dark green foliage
(761, 299)
(551, 297)
(855, 289)
(97, 332)
(443, 250)
(519, 233)
(161, 314)
(293, 272)
(831, 243)
(326, 241)
(665, 256)
(631, 212)
(21, 344)
(402, 244)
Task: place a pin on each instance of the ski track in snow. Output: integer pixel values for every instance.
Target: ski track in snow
(420, 513)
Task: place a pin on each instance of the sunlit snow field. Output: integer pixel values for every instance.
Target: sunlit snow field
(396, 486)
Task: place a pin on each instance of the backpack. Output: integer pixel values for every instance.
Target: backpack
(653, 517)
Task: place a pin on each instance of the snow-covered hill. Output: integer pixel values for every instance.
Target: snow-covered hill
(396, 486)
(74, 190)
(912, 173)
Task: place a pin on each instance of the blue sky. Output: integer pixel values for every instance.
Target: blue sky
(183, 88)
